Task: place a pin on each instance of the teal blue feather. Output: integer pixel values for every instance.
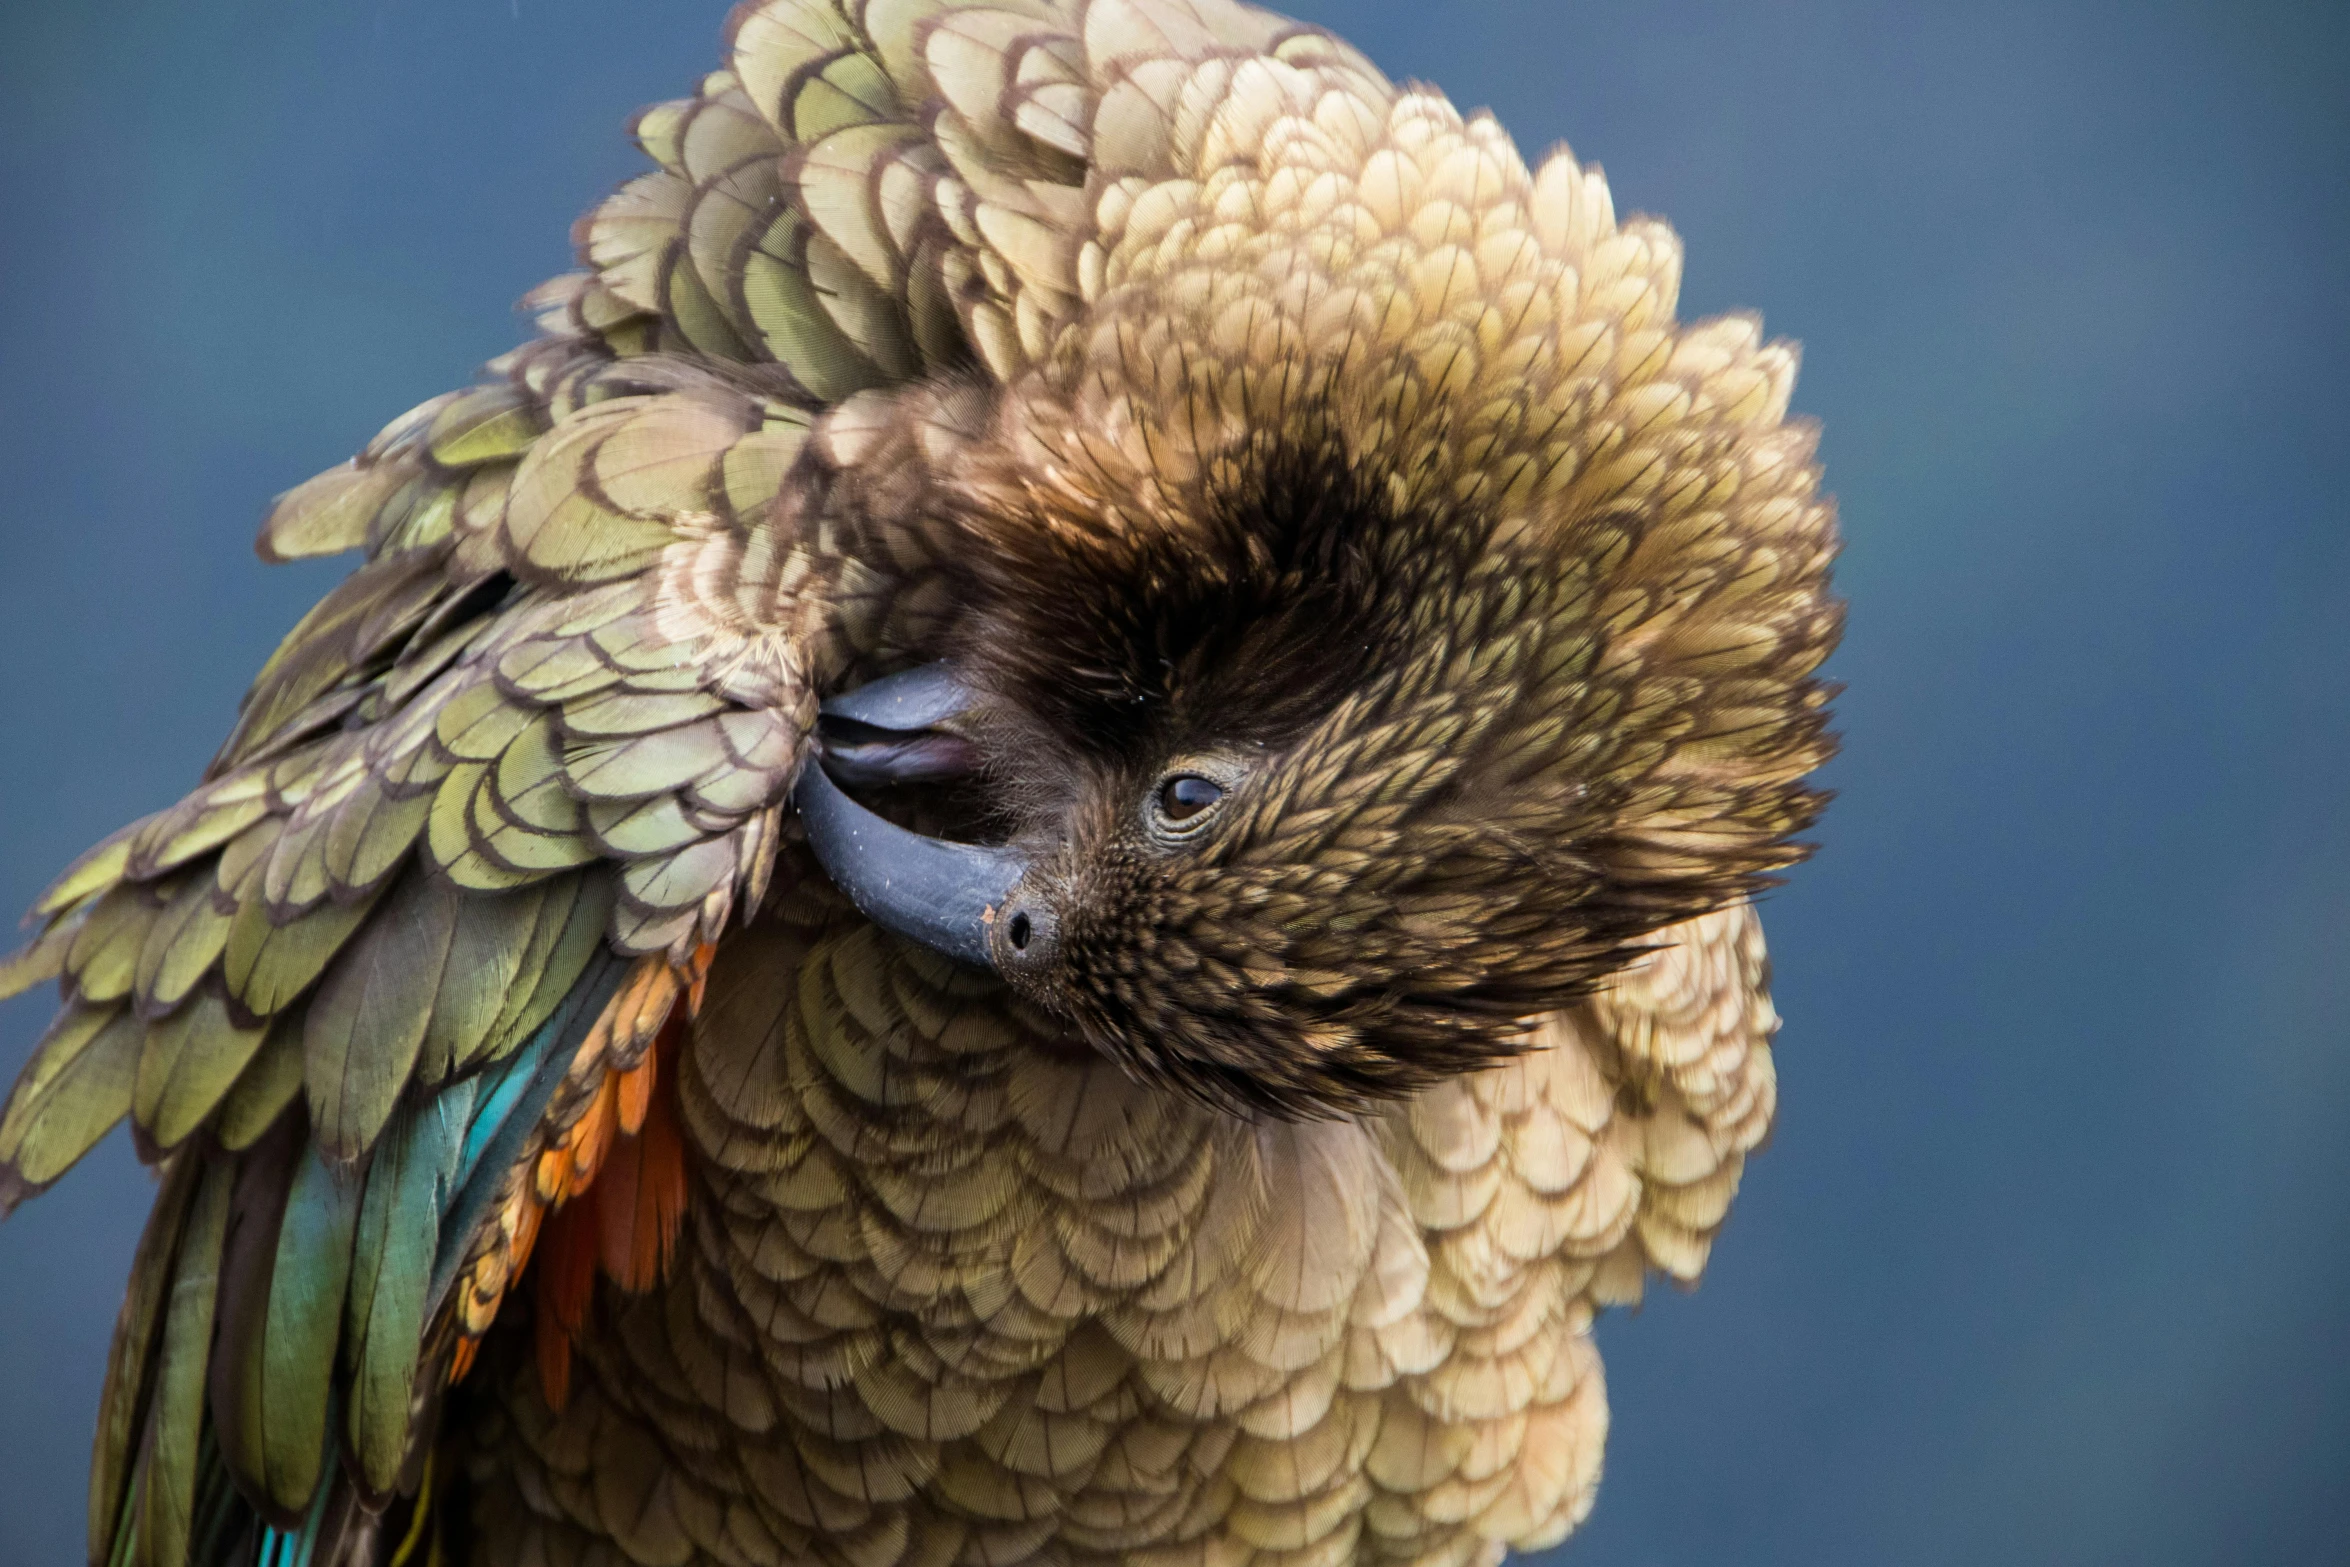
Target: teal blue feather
(513, 1098)
(409, 1187)
(317, 1286)
(297, 1362)
(297, 1547)
(264, 1179)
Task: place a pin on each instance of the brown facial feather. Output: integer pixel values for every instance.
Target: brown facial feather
(1465, 777)
(1224, 409)
(1340, 451)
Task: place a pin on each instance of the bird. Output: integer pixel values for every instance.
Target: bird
(1039, 844)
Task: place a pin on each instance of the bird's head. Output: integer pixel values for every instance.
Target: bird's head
(1365, 643)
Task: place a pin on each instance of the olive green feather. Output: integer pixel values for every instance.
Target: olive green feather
(175, 1420)
(103, 960)
(570, 924)
(75, 1087)
(371, 831)
(330, 645)
(328, 514)
(488, 943)
(285, 1381)
(268, 964)
(188, 1064)
(181, 944)
(364, 1026)
(271, 1080)
(97, 868)
(42, 958)
(391, 1275)
(234, 1378)
(128, 1362)
(483, 426)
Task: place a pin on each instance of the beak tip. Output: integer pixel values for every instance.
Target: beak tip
(943, 895)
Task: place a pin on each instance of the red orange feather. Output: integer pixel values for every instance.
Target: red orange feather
(617, 1185)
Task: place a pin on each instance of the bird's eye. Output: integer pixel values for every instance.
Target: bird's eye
(1186, 799)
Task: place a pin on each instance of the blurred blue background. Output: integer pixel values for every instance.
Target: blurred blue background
(2050, 1261)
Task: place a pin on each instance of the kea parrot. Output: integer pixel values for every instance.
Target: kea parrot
(1038, 846)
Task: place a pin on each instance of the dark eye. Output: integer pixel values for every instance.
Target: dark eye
(1186, 796)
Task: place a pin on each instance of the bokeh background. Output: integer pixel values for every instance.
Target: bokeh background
(2050, 1261)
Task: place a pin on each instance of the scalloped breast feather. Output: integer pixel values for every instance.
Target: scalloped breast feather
(487, 953)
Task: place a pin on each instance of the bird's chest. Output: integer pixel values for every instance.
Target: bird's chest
(943, 1272)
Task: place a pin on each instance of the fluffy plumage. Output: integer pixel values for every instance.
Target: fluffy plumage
(1223, 413)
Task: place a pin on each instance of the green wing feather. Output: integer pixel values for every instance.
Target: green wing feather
(128, 1361)
(551, 721)
(392, 1265)
(285, 1383)
(171, 1451)
(73, 1091)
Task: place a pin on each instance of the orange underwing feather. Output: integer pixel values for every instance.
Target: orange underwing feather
(1060, 336)
(622, 1214)
(591, 1140)
(635, 1096)
(619, 1056)
(642, 1197)
(527, 1234)
(628, 1125)
(567, 1277)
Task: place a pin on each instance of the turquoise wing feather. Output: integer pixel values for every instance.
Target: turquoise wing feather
(535, 752)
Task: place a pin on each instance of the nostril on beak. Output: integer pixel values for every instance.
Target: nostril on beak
(1026, 937)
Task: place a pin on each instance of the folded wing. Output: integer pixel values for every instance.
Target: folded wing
(386, 989)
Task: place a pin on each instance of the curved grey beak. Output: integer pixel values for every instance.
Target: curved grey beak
(943, 895)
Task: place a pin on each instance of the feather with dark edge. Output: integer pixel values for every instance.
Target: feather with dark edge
(1228, 418)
